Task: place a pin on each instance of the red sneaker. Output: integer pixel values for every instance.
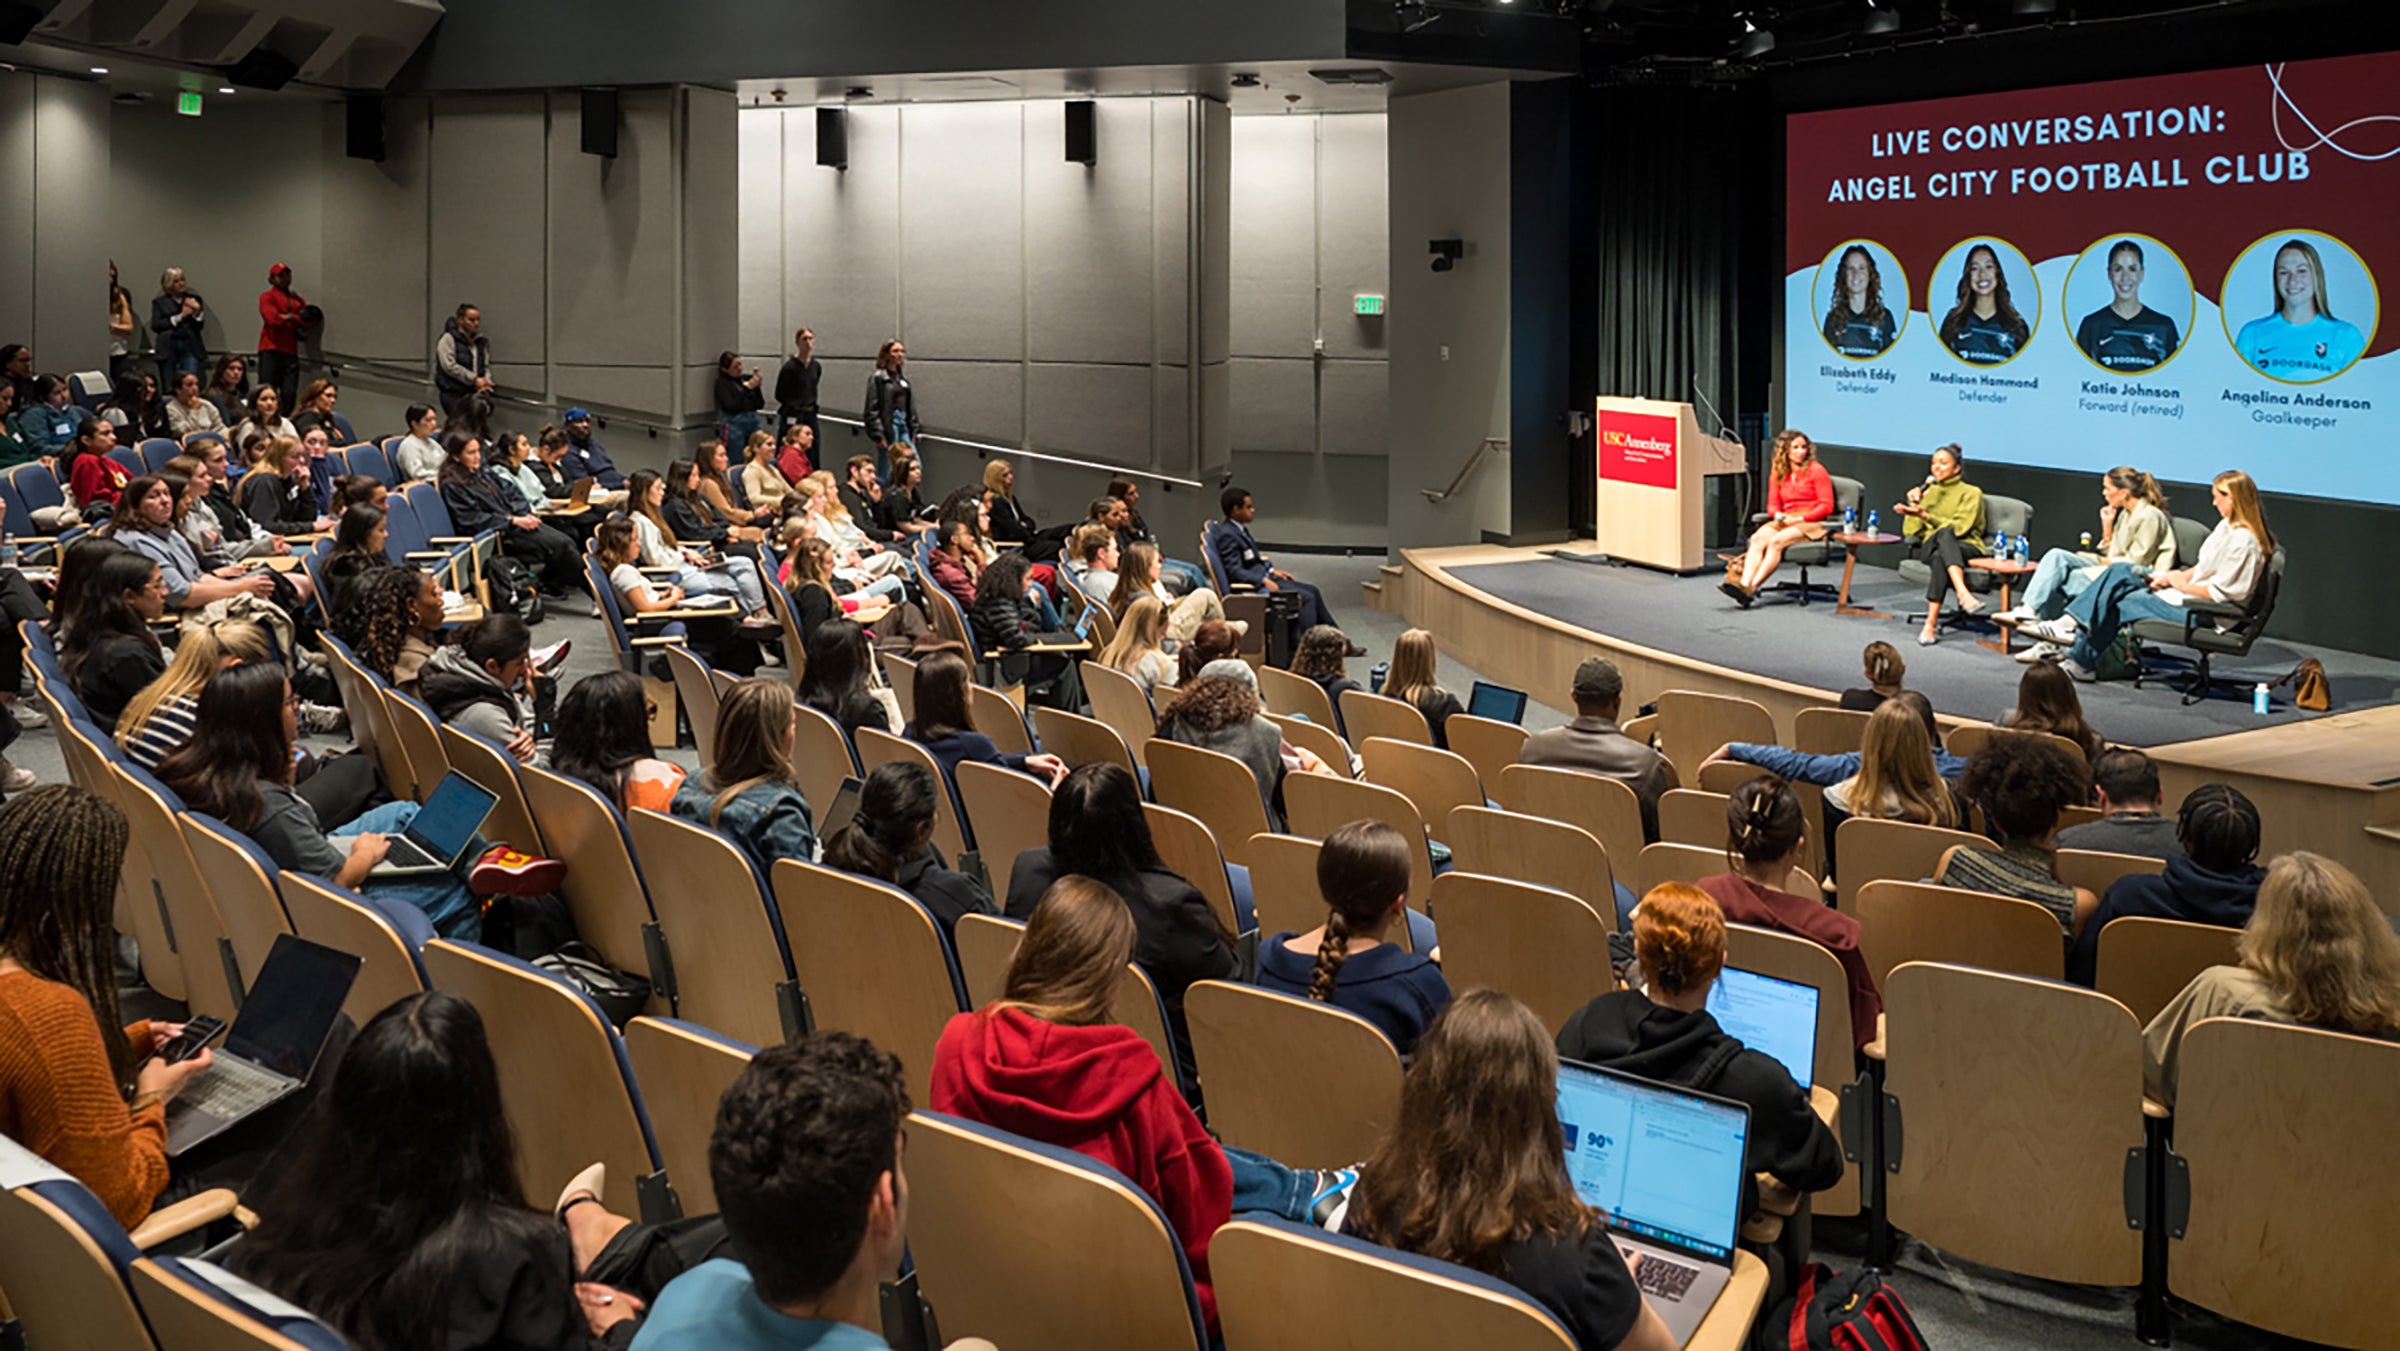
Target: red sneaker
(503, 871)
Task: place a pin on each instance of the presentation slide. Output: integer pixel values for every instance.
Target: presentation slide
(2180, 273)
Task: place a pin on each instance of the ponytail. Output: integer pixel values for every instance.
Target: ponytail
(1361, 869)
(1332, 951)
(1763, 821)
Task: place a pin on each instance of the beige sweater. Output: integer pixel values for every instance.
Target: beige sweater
(2218, 992)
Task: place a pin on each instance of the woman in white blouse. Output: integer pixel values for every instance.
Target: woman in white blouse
(266, 417)
(2230, 565)
(187, 412)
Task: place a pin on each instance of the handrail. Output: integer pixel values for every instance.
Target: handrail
(335, 361)
(984, 448)
(1465, 469)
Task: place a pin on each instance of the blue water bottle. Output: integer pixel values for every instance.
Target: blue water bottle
(1849, 520)
(1874, 519)
(2024, 549)
(1999, 544)
(2258, 700)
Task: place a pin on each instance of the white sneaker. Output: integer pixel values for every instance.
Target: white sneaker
(2040, 652)
(2015, 614)
(2076, 671)
(26, 714)
(2059, 630)
(15, 779)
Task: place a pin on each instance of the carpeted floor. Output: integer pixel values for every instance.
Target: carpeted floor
(1811, 645)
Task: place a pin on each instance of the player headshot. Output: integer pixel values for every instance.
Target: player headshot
(1983, 327)
(2125, 334)
(1857, 324)
(2301, 341)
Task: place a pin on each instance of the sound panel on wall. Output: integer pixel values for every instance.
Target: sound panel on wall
(600, 122)
(833, 137)
(363, 127)
(1082, 141)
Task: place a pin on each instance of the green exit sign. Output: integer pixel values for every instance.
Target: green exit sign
(1366, 305)
(188, 104)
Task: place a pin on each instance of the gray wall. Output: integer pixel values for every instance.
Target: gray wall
(54, 158)
(1310, 232)
(1449, 330)
(1045, 305)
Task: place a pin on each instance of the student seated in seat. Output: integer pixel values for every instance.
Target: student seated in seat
(108, 597)
(393, 623)
(2213, 877)
(1899, 773)
(2024, 783)
(945, 723)
(1765, 833)
(1474, 1172)
(2126, 782)
(891, 840)
(483, 684)
(604, 740)
(751, 794)
(838, 678)
(1362, 871)
(1594, 744)
(1411, 682)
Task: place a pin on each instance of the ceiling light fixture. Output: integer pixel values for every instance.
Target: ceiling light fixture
(1756, 41)
(99, 70)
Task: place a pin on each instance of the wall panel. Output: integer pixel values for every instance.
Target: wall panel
(17, 213)
(486, 181)
(375, 293)
(842, 233)
(613, 238)
(760, 330)
(1089, 240)
(710, 159)
(1274, 246)
(962, 235)
(1090, 412)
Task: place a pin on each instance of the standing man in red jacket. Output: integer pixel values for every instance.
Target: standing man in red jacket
(279, 334)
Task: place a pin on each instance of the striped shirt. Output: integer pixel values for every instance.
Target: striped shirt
(168, 729)
(2021, 870)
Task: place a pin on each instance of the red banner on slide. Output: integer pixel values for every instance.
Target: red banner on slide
(1638, 448)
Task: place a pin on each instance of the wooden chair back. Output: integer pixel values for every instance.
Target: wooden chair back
(1302, 1082)
(1082, 741)
(822, 757)
(1829, 731)
(985, 944)
(350, 682)
(882, 748)
(1691, 724)
(1873, 850)
(1721, 778)
(2071, 817)
(184, 1317)
(2276, 1123)
(495, 771)
(2145, 962)
(388, 938)
(1544, 946)
(241, 880)
(1771, 952)
(1901, 922)
(1602, 807)
(901, 674)
(999, 718)
(139, 910)
(1294, 696)
(1216, 788)
(1486, 743)
(603, 889)
(1283, 885)
(202, 942)
(1643, 729)
(1118, 700)
(1964, 741)
(1437, 781)
(1317, 739)
(1317, 805)
(1367, 715)
(724, 938)
(561, 1081)
(1271, 1278)
(1009, 811)
(1692, 816)
(2096, 870)
(698, 695)
(1982, 1065)
(903, 998)
(1191, 851)
(63, 1288)
(421, 735)
(1529, 849)
(683, 1069)
(1093, 1266)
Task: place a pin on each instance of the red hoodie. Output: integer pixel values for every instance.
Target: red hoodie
(1101, 1092)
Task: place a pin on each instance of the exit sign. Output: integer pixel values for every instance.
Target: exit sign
(188, 104)
(1366, 305)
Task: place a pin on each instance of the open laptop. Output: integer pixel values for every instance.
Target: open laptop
(1497, 702)
(273, 1045)
(1665, 1166)
(442, 830)
(845, 806)
(579, 496)
(1777, 1018)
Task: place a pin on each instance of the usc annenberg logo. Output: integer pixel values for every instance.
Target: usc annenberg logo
(1623, 440)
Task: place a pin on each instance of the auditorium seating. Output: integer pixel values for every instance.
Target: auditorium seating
(727, 964)
(1367, 715)
(684, 1068)
(900, 1001)
(1283, 885)
(950, 832)
(1318, 740)
(197, 1306)
(1601, 807)
(1542, 945)
(1191, 851)
(1280, 691)
(1272, 1277)
(603, 889)
(1319, 804)
(1769, 952)
(696, 694)
(1298, 1081)
(1692, 724)
(1117, 699)
(389, 938)
(493, 769)
(1011, 812)
(1213, 787)
(1529, 849)
(1437, 782)
(1901, 922)
(2145, 962)
(1873, 850)
(1080, 740)
(821, 756)
(1489, 745)
(997, 717)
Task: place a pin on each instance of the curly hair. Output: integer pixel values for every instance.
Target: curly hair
(2024, 782)
(1209, 704)
(384, 607)
(1321, 653)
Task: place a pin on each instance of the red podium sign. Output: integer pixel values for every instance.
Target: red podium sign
(1638, 448)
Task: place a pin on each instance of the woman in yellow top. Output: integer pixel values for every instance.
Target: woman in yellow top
(1944, 527)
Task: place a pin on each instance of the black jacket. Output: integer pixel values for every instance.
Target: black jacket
(178, 337)
(1010, 522)
(866, 515)
(796, 386)
(736, 397)
(889, 396)
(947, 893)
(690, 526)
(1624, 1031)
(1000, 622)
(482, 502)
(279, 505)
(2185, 891)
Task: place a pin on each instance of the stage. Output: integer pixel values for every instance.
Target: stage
(2328, 782)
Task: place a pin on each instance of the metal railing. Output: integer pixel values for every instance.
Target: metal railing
(1444, 495)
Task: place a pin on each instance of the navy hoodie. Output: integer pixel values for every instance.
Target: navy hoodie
(1625, 1032)
(2185, 891)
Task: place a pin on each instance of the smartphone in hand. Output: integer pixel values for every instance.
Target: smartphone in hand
(196, 1034)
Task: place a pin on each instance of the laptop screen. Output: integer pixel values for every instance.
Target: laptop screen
(1775, 1017)
(291, 1006)
(845, 806)
(450, 818)
(1663, 1164)
(1497, 702)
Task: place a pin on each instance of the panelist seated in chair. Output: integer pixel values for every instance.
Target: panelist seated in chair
(1486, 1071)
(1944, 528)
(2134, 529)
(1799, 500)
(1664, 1031)
(1238, 555)
(2231, 562)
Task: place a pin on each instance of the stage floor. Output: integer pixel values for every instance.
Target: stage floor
(1813, 646)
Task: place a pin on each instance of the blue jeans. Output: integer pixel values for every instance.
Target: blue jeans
(1626, 901)
(2059, 579)
(739, 579)
(2117, 597)
(442, 896)
(1047, 612)
(1181, 578)
(1262, 1184)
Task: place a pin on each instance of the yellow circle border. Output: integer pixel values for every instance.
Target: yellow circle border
(1833, 255)
(2039, 316)
(2373, 290)
(2191, 292)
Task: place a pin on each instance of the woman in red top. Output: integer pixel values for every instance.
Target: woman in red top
(94, 478)
(1764, 833)
(1799, 499)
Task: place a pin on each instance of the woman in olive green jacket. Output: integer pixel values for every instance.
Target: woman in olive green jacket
(1944, 527)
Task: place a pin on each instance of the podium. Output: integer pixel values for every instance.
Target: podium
(1653, 460)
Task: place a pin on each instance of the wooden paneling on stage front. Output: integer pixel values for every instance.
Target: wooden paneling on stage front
(2330, 784)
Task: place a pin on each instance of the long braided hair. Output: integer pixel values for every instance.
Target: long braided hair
(61, 850)
(384, 606)
(1362, 869)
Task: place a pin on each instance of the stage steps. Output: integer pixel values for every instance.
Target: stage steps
(1375, 594)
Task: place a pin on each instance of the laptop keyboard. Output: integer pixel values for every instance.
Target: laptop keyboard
(1660, 1277)
(229, 1089)
(404, 854)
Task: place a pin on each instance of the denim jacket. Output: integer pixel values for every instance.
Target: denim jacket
(1824, 770)
(768, 820)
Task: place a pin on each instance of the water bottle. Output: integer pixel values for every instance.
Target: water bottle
(1375, 677)
(2085, 541)
(1874, 519)
(1999, 544)
(1849, 520)
(8, 553)
(2258, 699)
(2024, 549)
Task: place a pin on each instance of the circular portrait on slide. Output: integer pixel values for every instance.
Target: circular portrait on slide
(2136, 300)
(2319, 301)
(1986, 324)
(1862, 299)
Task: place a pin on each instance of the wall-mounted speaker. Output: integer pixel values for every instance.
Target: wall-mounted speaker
(262, 69)
(600, 122)
(1082, 141)
(833, 137)
(362, 128)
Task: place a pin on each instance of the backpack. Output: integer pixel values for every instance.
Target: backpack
(1833, 1312)
(511, 585)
